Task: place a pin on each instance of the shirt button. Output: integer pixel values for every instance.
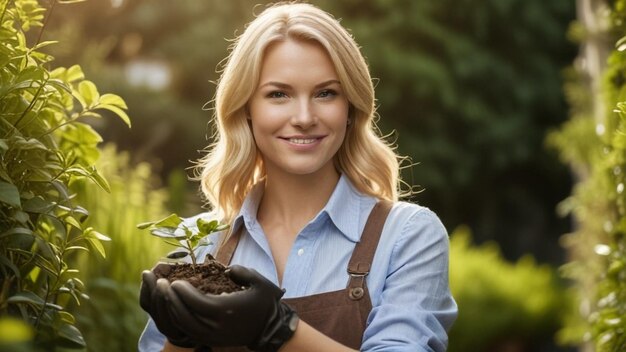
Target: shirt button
(300, 252)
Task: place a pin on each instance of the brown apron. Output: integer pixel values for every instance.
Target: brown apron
(340, 315)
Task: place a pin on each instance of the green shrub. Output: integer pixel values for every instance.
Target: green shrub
(500, 303)
(112, 319)
(44, 146)
(593, 143)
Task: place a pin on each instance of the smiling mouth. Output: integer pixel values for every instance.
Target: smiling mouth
(302, 140)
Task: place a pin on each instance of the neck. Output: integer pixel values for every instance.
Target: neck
(293, 200)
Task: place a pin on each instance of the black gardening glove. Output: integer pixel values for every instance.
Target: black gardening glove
(254, 317)
(154, 299)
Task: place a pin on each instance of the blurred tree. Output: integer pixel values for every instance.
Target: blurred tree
(471, 85)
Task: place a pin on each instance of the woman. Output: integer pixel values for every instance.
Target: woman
(311, 191)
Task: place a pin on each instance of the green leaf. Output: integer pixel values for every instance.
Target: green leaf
(89, 92)
(74, 73)
(67, 317)
(28, 144)
(74, 248)
(117, 111)
(26, 297)
(82, 134)
(44, 43)
(9, 194)
(145, 225)
(166, 232)
(206, 227)
(177, 254)
(99, 180)
(21, 217)
(47, 251)
(37, 205)
(91, 233)
(172, 221)
(92, 174)
(71, 337)
(221, 227)
(30, 75)
(82, 212)
(171, 242)
(9, 264)
(73, 222)
(17, 231)
(112, 99)
(22, 242)
(97, 245)
(188, 232)
(78, 170)
(59, 85)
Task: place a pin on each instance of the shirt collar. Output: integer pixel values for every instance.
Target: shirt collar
(343, 208)
(248, 211)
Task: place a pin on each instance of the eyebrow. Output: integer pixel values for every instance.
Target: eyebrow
(287, 86)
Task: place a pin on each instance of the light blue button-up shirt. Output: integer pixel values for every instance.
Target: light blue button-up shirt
(412, 308)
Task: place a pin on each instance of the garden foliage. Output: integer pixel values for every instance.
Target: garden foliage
(595, 148)
(502, 305)
(467, 84)
(45, 146)
(112, 319)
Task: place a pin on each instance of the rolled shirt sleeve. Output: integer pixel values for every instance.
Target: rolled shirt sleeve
(415, 308)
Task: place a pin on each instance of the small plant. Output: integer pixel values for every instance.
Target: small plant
(208, 277)
(174, 232)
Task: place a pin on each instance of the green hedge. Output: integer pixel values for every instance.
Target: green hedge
(45, 145)
(501, 304)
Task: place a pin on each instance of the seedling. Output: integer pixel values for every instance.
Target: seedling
(174, 232)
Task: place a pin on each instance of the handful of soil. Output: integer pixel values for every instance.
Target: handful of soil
(208, 277)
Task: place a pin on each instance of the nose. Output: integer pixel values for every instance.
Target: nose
(304, 115)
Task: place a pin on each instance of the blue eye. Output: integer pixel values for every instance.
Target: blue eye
(327, 93)
(276, 95)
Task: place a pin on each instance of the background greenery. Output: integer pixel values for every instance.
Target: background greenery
(45, 146)
(593, 142)
(471, 87)
(112, 318)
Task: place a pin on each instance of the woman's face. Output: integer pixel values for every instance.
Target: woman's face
(299, 111)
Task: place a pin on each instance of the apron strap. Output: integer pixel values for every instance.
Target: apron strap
(363, 254)
(228, 246)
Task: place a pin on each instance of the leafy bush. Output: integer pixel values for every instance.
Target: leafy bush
(593, 143)
(44, 147)
(500, 303)
(112, 319)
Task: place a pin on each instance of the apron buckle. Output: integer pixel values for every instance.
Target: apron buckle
(357, 282)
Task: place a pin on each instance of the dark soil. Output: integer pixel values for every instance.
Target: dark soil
(208, 277)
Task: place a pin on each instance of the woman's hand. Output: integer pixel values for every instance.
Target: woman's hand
(254, 317)
(154, 299)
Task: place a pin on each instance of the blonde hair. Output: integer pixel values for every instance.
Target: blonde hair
(233, 165)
